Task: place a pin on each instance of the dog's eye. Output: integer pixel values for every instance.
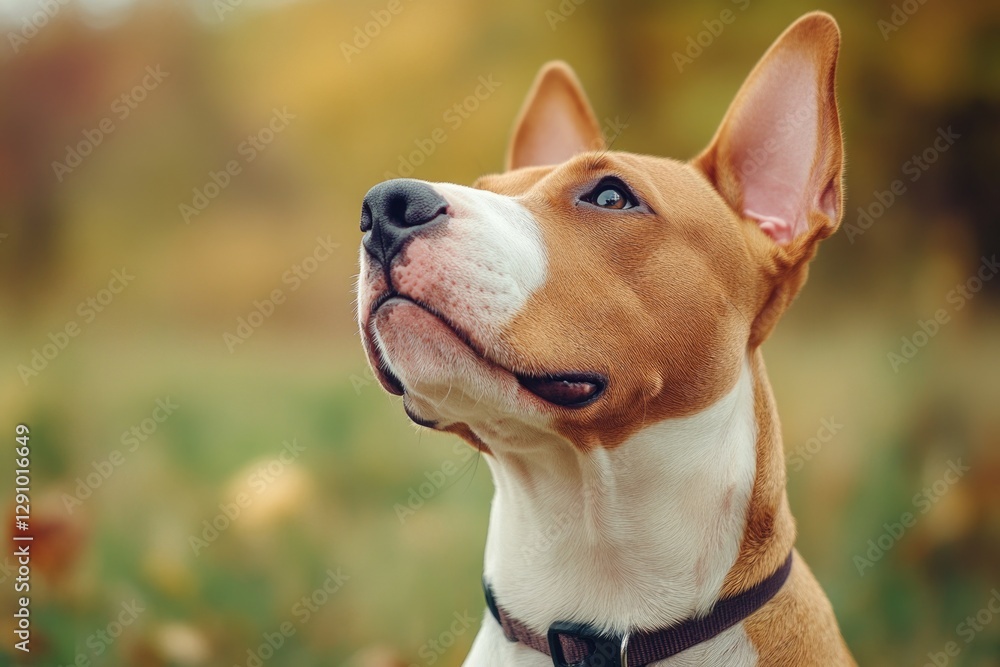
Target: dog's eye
(610, 194)
(611, 197)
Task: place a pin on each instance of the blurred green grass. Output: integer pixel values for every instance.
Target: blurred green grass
(361, 457)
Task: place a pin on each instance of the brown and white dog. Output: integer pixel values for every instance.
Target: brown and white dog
(591, 321)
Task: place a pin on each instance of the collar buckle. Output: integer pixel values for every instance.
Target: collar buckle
(597, 650)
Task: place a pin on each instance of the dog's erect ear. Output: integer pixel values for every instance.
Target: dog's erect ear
(777, 158)
(556, 121)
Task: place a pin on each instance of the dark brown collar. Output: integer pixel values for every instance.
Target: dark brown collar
(580, 645)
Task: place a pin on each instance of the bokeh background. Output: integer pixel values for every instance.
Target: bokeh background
(117, 515)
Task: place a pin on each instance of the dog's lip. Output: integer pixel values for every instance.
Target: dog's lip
(385, 377)
(571, 389)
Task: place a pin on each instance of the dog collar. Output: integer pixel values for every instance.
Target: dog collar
(580, 645)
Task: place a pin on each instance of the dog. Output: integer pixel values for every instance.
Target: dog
(591, 322)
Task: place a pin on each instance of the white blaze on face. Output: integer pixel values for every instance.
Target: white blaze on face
(476, 271)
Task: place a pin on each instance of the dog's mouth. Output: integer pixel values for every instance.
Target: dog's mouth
(573, 389)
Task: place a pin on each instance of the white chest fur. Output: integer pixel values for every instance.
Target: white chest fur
(640, 536)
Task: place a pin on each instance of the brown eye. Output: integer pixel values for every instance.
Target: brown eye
(610, 198)
(610, 194)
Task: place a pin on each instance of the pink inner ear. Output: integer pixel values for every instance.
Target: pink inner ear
(773, 144)
(558, 131)
(556, 122)
(778, 229)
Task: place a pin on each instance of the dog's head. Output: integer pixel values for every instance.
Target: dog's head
(587, 291)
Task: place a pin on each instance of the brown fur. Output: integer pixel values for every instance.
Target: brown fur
(667, 303)
(670, 299)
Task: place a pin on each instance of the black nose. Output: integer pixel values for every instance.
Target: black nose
(394, 211)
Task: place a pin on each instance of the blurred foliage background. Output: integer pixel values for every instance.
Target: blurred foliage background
(321, 521)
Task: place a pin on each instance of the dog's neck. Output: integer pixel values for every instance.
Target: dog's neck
(649, 533)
